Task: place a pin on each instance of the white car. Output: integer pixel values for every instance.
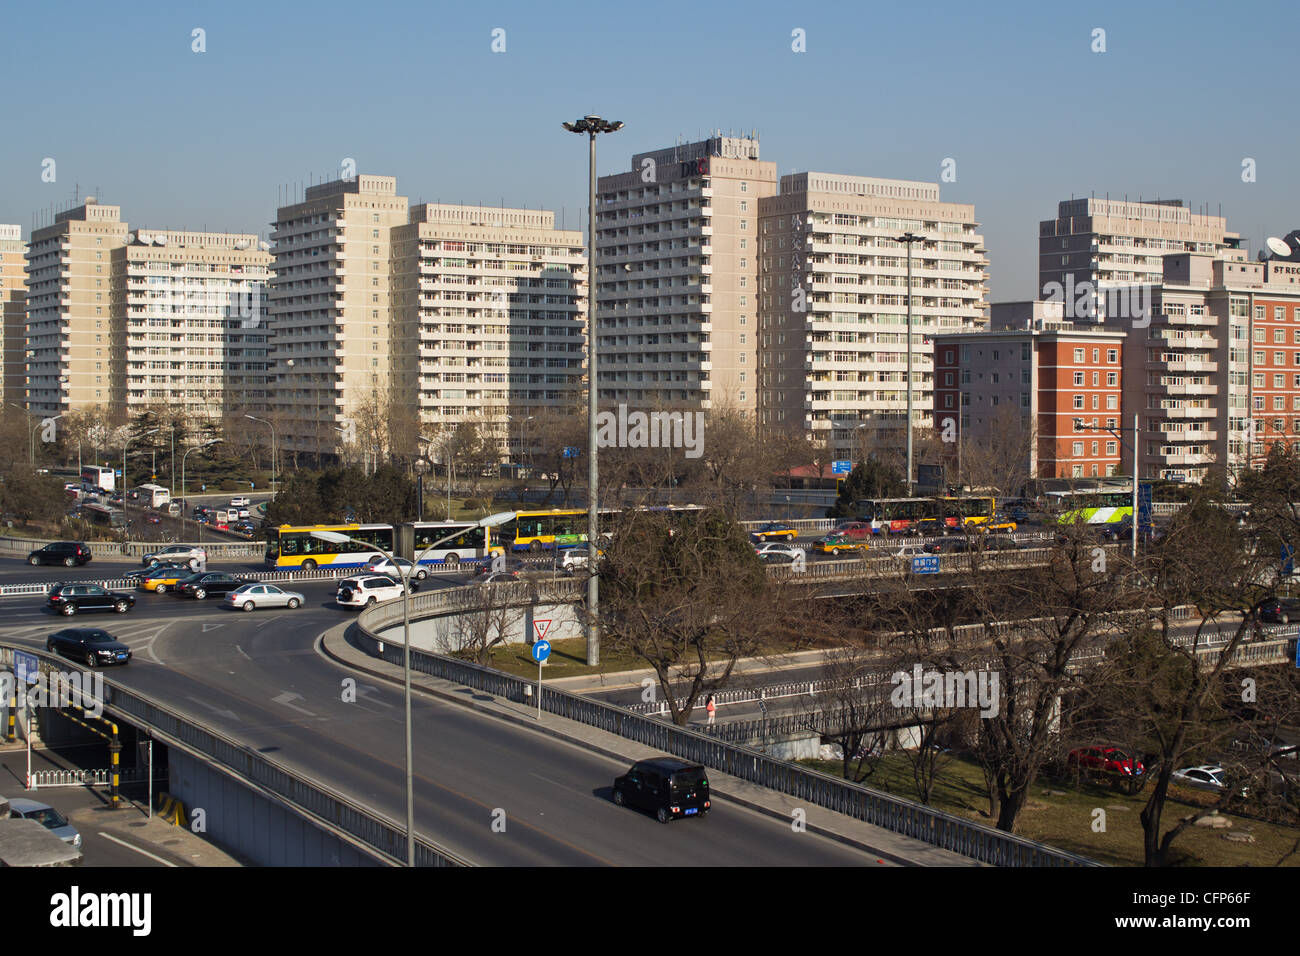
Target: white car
(575, 558)
(907, 552)
(775, 547)
(367, 589)
(1205, 777)
(192, 557)
(403, 567)
(240, 502)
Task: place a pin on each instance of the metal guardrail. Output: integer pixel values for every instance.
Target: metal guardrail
(45, 779)
(897, 814)
(327, 807)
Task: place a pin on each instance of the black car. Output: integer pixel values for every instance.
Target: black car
(89, 645)
(951, 545)
(665, 786)
(70, 599)
(70, 554)
(209, 582)
(1279, 610)
(154, 566)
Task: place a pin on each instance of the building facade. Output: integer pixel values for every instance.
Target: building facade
(13, 314)
(833, 310)
(677, 276)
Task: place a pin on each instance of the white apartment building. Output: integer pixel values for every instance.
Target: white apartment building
(331, 311)
(490, 307)
(13, 314)
(677, 276)
(1112, 242)
(833, 307)
(70, 325)
(193, 325)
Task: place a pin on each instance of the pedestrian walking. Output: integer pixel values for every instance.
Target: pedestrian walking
(711, 705)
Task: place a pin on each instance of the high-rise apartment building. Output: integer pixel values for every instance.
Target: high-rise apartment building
(331, 311)
(70, 325)
(1112, 242)
(189, 323)
(490, 315)
(677, 276)
(13, 315)
(833, 306)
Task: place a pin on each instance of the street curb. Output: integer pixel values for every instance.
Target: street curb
(470, 702)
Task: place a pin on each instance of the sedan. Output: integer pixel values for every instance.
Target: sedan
(164, 578)
(1279, 610)
(199, 586)
(46, 816)
(88, 644)
(788, 550)
(252, 597)
(239, 502)
(156, 567)
(395, 571)
(499, 577)
(1206, 777)
(70, 599)
(1107, 759)
(834, 544)
(775, 531)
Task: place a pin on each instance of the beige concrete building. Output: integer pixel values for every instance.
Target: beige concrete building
(490, 316)
(833, 308)
(13, 314)
(189, 329)
(677, 276)
(1111, 242)
(331, 311)
(70, 325)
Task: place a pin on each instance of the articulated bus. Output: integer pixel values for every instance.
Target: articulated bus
(895, 515)
(1091, 506)
(468, 542)
(538, 531)
(295, 546)
(965, 511)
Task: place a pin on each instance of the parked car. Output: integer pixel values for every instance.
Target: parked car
(254, 597)
(203, 583)
(386, 566)
(775, 531)
(665, 786)
(46, 816)
(89, 645)
(239, 502)
(1281, 610)
(1106, 759)
(70, 599)
(1208, 776)
(70, 554)
(368, 589)
(188, 554)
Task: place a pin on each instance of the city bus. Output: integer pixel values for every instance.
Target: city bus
(153, 496)
(538, 531)
(965, 511)
(104, 516)
(895, 515)
(472, 543)
(95, 478)
(294, 546)
(1091, 506)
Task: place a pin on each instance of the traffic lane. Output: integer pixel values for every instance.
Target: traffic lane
(16, 570)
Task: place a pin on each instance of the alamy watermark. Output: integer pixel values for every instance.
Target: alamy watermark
(1083, 300)
(946, 689)
(638, 429)
(57, 689)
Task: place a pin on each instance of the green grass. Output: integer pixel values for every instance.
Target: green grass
(1061, 814)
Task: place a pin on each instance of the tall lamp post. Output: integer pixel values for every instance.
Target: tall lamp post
(522, 422)
(592, 125)
(31, 444)
(275, 469)
(206, 444)
(1080, 426)
(336, 537)
(909, 238)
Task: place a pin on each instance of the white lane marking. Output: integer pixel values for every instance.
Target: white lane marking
(129, 846)
(286, 699)
(242, 651)
(228, 714)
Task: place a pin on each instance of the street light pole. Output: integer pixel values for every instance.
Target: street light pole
(592, 125)
(909, 238)
(207, 444)
(275, 470)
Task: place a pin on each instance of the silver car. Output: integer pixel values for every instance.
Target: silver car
(47, 816)
(252, 597)
(193, 557)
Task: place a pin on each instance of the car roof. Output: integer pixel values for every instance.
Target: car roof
(24, 805)
(669, 764)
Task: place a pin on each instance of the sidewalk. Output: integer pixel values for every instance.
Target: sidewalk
(883, 845)
(627, 680)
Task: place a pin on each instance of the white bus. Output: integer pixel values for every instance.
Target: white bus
(96, 478)
(153, 496)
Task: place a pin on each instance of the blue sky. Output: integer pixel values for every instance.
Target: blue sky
(1012, 91)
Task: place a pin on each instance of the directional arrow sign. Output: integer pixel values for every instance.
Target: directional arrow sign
(287, 699)
(209, 627)
(541, 627)
(541, 651)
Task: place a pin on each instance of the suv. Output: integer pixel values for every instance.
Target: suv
(195, 558)
(240, 502)
(665, 786)
(67, 553)
(69, 599)
(368, 589)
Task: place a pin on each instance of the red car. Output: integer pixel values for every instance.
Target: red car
(1107, 759)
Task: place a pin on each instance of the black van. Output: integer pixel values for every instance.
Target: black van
(665, 786)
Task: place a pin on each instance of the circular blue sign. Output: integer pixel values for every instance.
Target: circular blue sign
(541, 651)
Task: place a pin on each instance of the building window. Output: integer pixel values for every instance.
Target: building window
(1078, 356)
(1096, 356)
(1096, 402)
(1112, 355)
(1112, 403)
(1110, 448)
(1279, 336)
(1078, 401)
(1078, 449)
(1112, 379)
(1078, 378)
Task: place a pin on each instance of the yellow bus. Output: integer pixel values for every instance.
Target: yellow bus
(295, 546)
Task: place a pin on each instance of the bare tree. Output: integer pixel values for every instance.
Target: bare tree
(998, 455)
(491, 614)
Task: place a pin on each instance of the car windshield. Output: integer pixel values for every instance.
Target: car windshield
(99, 637)
(48, 817)
(685, 780)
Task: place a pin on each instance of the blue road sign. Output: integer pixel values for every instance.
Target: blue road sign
(541, 651)
(927, 564)
(26, 666)
(1288, 561)
(841, 467)
(571, 451)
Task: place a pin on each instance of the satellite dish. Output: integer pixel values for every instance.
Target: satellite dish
(242, 244)
(160, 240)
(1277, 246)
(146, 239)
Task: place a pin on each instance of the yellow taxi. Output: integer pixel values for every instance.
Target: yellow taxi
(161, 579)
(775, 531)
